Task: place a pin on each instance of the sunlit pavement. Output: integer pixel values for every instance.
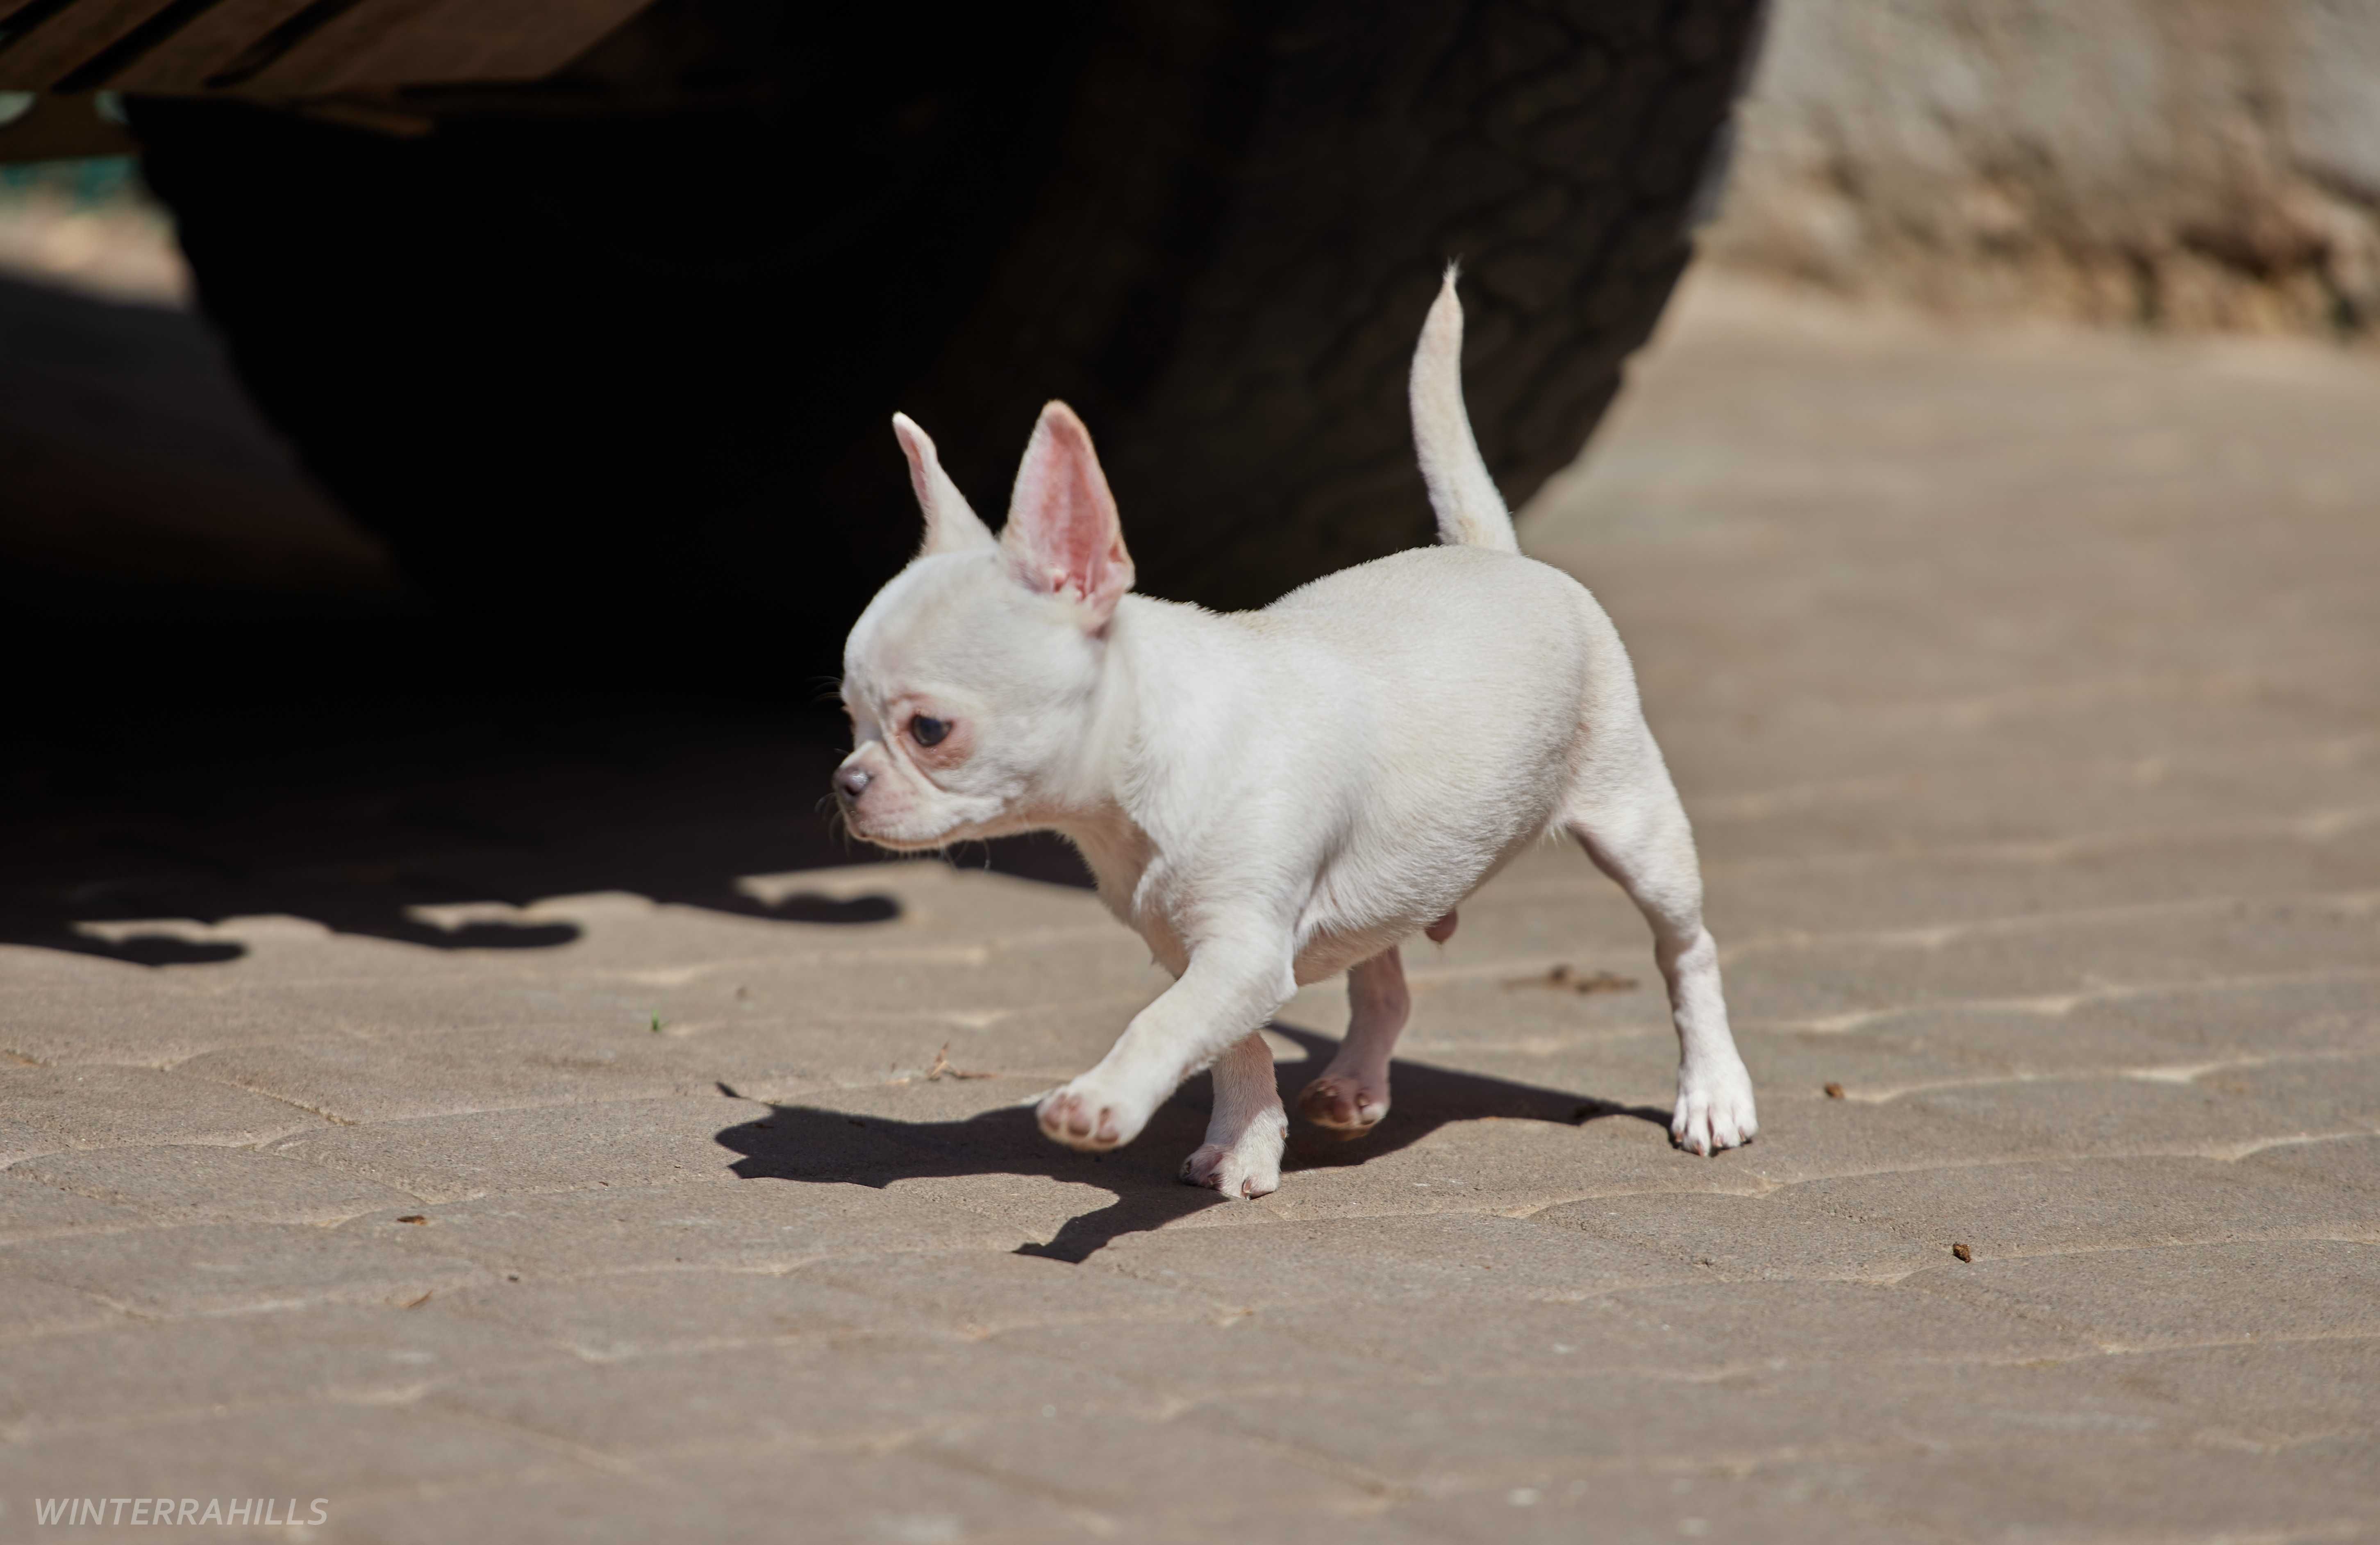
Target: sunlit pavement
(2025, 692)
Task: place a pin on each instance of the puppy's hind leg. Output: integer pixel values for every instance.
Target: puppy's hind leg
(1244, 1136)
(1638, 835)
(1353, 1093)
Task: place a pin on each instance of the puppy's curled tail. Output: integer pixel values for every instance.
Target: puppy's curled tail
(1470, 512)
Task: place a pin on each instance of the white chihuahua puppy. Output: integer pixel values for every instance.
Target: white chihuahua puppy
(1273, 798)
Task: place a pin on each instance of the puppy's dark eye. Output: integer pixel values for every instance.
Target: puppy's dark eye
(927, 732)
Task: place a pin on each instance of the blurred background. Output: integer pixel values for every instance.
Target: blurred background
(2202, 164)
(389, 390)
(319, 439)
(2192, 165)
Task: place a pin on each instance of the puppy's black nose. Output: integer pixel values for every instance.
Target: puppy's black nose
(850, 782)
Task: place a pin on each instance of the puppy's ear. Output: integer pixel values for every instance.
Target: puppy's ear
(950, 522)
(1062, 536)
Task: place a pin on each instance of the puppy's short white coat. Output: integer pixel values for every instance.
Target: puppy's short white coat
(1273, 798)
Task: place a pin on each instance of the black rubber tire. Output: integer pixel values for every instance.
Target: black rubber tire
(630, 376)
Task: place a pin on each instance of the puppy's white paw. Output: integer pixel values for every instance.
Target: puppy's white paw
(1249, 1168)
(1345, 1107)
(1086, 1115)
(1715, 1109)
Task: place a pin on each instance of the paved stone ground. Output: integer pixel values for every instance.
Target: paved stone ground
(2024, 693)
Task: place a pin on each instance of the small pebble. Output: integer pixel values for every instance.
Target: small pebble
(1834, 1091)
(1962, 1252)
(413, 1218)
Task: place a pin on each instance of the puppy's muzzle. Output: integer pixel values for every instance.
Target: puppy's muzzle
(850, 782)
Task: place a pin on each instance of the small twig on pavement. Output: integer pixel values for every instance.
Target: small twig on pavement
(943, 1068)
(1562, 976)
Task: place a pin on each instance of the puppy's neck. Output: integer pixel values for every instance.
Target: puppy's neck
(1095, 806)
(1088, 797)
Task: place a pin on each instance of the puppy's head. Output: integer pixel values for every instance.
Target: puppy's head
(970, 678)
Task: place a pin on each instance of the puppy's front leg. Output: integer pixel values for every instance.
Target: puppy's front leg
(1231, 987)
(1244, 1136)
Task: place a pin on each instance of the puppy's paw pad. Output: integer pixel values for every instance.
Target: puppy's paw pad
(1342, 1106)
(1715, 1111)
(1231, 1172)
(1086, 1120)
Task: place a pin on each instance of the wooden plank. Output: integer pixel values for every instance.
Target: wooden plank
(39, 59)
(63, 128)
(211, 41)
(375, 44)
(400, 42)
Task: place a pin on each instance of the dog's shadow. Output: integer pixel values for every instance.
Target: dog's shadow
(818, 1147)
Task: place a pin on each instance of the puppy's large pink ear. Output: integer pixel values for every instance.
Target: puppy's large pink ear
(1062, 536)
(950, 522)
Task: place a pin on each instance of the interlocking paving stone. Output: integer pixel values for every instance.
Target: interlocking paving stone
(21, 1140)
(1299, 1354)
(554, 1147)
(121, 1013)
(1388, 1259)
(738, 1227)
(96, 1107)
(916, 1493)
(29, 1210)
(649, 1142)
(1805, 1501)
(2174, 1036)
(2025, 1209)
(393, 1078)
(1512, 1429)
(876, 968)
(2063, 1116)
(2182, 1296)
(1745, 1236)
(127, 1373)
(2006, 800)
(29, 1306)
(2174, 947)
(1784, 1324)
(2145, 1489)
(1128, 1466)
(2352, 1161)
(978, 1293)
(2022, 693)
(396, 1078)
(221, 1268)
(2074, 1491)
(302, 1450)
(2009, 886)
(179, 1184)
(866, 1394)
(2266, 1396)
(2329, 1094)
(614, 1316)
(752, 1491)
